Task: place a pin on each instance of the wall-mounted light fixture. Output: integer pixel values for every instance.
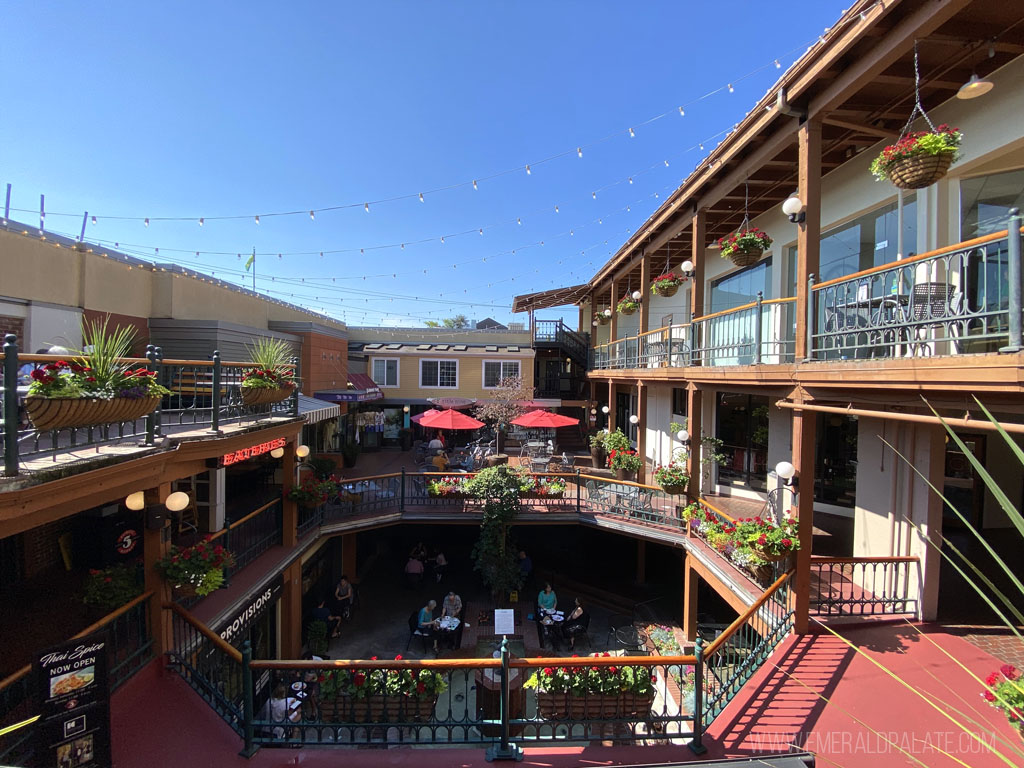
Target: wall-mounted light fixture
(687, 267)
(794, 209)
(637, 295)
(136, 501)
(682, 435)
(177, 501)
(634, 419)
(302, 451)
(605, 409)
(405, 409)
(787, 473)
(608, 313)
(277, 453)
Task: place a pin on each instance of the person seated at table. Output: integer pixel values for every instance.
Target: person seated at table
(413, 572)
(437, 444)
(547, 600)
(282, 708)
(574, 623)
(525, 565)
(440, 565)
(452, 605)
(440, 460)
(426, 622)
(326, 615)
(419, 551)
(343, 598)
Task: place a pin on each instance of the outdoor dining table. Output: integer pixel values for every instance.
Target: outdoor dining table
(447, 627)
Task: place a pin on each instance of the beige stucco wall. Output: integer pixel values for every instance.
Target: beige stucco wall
(470, 378)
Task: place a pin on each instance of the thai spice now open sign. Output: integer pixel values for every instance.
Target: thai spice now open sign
(252, 451)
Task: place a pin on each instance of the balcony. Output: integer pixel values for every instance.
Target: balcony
(555, 333)
(955, 301)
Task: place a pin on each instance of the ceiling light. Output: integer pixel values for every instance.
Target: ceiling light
(975, 87)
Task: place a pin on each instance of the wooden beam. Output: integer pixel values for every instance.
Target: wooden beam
(907, 80)
(698, 224)
(868, 130)
(645, 289)
(804, 428)
(808, 240)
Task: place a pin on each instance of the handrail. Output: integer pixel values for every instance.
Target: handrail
(742, 619)
(15, 676)
(842, 560)
(966, 244)
(713, 508)
(485, 663)
(232, 526)
(619, 482)
(713, 315)
(25, 358)
(222, 644)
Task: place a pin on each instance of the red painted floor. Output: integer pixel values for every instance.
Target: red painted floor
(869, 719)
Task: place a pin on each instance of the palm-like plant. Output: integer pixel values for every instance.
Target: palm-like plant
(104, 352)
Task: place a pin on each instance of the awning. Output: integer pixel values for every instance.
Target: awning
(556, 297)
(361, 389)
(315, 410)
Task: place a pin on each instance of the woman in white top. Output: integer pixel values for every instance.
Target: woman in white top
(282, 708)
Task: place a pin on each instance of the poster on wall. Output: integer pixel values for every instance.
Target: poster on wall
(75, 693)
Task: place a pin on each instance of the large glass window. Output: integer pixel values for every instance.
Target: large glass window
(385, 372)
(836, 464)
(439, 374)
(743, 429)
(865, 242)
(985, 202)
(497, 370)
(739, 288)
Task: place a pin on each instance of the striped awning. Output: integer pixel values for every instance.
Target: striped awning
(314, 410)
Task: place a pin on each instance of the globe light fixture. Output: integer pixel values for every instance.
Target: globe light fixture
(785, 470)
(605, 409)
(687, 267)
(595, 323)
(593, 411)
(135, 501)
(277, 453)
(682, 435)
(637, 295)
(608, 313)
(177, 501)
(794, 209)
(302, 451)
(975, 87)
(634, 419)
(405, 409)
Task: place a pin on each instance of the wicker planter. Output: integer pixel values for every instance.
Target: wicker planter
(672, 290)
(919, 171)
(60, 412)
(628, 311)
(565, 706)
(744, 258)
(535, 495)
(675, 490)
(377, 709)
(265, 395)
(773, 558)
(603, 319)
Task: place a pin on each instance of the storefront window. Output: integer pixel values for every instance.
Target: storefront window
(743, 429)
(741, 287)
(985, 202)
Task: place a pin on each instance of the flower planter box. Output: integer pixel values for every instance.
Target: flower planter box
(625, 474)
(265, 395)
(377, 709)
(566, 706)
(744, 258)
(59, 412)
(534, 495)
(919, 171)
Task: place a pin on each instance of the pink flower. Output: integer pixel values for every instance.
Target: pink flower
(1009, 671)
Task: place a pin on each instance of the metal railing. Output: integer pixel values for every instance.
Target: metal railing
(957, 300)
(667, 346)
(252, 535)
(864, 586)
(557, 332)
(131, 648)
(202, 394)
(763, 331)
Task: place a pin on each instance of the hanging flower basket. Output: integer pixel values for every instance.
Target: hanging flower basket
(48, 413)
(667, 285)
(745, 247)
(628, 305)
(602, 318)
(772, 558)
(266, 395)
(918, 159)
(674, 490)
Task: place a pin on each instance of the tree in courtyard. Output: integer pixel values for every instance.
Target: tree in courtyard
(459, 321)
(507, 401)
(494, 554)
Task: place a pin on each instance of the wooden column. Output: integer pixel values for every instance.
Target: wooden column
(291, 612)
(808, 241)
(611, 405)
(290, 510)
(645, 289)
(697, 251)
(349, 565)
(694, 404)
(689, 600)
(155, 544)
(641, 429)
(804, 429)
(613, 328)
(641, 561)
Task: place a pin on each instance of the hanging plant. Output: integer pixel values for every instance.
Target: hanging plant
(628, 305)
(745, 246)
(666, 285)
(918, 159)
(601, 318)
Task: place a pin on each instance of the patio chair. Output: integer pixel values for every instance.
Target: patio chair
(415, 631)
(597, 493)
(579, 629)
(930, 307)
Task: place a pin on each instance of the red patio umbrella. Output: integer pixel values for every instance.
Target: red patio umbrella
(541, 419)
(448, 420)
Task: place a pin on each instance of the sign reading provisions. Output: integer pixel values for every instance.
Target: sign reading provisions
(253, 450)
(252, 610)
(75, 695)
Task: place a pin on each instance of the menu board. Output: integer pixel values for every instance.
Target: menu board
(75, 695)
(504, 621)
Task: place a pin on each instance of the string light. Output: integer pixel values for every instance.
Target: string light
(421, 197)
(594, 195)
(257, 219)
(632, 133)
(474, 184)
(731, 90)
(579, 152)
(777, 65)
(200, 221)
(682, 112)
(146, 222)
(312, 215)
(93, 219)
(528, 172)
(366, 207)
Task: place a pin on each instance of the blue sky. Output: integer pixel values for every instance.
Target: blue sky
(204, 110)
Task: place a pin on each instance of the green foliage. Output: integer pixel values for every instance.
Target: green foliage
(944, 140)
(312, 492)
(579, 678)
(362, 683)
(629, 461)
(627, 305)
(200, 566)
(596, 439)
(112, 587)
(494, 554)
(273, 365)
(744, 241)
(459, 321)
(104, 351)
(616, 441)
(664, 639)
(712, 453)
(673, 473)
(316, 637)
(321, 467)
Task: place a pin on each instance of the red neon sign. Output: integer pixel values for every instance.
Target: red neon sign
(252, 451)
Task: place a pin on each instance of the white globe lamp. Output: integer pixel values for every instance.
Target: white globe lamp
(637, 295)
(177, 501)
(605, 409)
(608, 313)
(302, 451)
(136, 501)
(634, 419)
(277, 453)
(785, 470)
(683, 435)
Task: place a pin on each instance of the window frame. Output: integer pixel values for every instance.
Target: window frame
(398, 371)
(439, 360)
(501, 364)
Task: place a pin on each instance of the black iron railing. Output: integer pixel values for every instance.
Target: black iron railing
(865, 586)
(252, 535)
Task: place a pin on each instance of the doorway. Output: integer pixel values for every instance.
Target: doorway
(961, 484)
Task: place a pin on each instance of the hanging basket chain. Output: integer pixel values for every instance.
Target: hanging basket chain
(917, 100)
(745, 224)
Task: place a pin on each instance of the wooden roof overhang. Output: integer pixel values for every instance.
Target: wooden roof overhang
(859, 81)
(556, 297)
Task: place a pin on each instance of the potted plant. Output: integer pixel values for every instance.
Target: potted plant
(770, 540)
(616, 441)
(673, 477)
(625, 463)
(667, 284)
(452, 486)
(350, 453)
(379, 695)
(597, 452)
(1005, 691)
(542, 487)
(745, 246)
(98, 387)
(601, 318)
(110, 588)
(918, 159)
(627, 305)
(316, 638)
(196, 570)
(272, 379)
(312, 491)
(578, 690)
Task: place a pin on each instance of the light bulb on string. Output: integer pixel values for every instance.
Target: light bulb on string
(528, 171)
(519, 221)
(366, 207)
(200, 221)
(442, 238)
(556, 209)
(777, 65)
(312, 215)
(93, 219)
(682, 112)
(630, 179)
(421, 197)
(474, 184)
(632, 133)
(146, 222)
(257, 219)
(701, 145)
(579, 151)
(481, 230)
(594, 195)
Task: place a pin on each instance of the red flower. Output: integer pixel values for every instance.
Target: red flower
(762, 539)
(321, 678)
(373, 658)
(992, 679)
(1009, 671)
(787, 542)
(549, 671)
(613, 670)
(358, 679)
(398, 657)
(420, 688)
(989, 696)
(107, 579)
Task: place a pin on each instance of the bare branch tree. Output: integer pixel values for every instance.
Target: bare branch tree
(508, 401)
